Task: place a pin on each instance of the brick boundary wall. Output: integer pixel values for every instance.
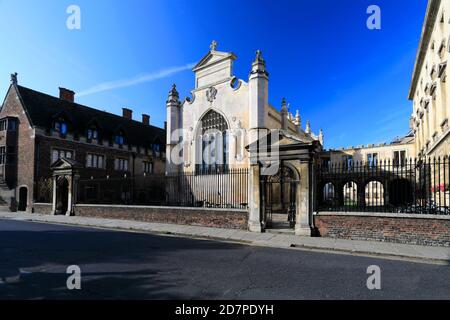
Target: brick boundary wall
(427, 230)
(219, 218)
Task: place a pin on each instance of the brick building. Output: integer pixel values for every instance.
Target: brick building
(37, 130)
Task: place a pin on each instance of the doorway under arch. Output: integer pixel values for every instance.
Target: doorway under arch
(279, 193)
(62, 195)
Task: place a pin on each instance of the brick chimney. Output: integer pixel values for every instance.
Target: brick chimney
(127, 113)
(66, 94)
(145, 119)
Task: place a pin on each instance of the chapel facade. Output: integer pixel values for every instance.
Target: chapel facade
(222, 127)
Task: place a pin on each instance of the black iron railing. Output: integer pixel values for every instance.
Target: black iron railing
(43, 190)
(217, 189)
(227, 189)
(419, 186)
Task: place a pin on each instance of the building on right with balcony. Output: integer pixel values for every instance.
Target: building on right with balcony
(429, 86)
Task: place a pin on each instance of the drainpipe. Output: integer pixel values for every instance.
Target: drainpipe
(133, 177)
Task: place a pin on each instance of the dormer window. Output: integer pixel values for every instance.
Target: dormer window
(156, 147)
(61, 127)
(119, 139)
(92, 134)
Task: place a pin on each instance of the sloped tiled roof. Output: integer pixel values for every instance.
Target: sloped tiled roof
(43, 108)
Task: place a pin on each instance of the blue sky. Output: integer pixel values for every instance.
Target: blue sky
(351, 81)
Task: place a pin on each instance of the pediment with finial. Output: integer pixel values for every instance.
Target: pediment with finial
(214, 66)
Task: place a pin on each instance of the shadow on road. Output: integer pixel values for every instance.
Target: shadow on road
(122, 265)
(114, 265)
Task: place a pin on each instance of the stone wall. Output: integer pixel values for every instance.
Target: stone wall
(42, 208)
(219, 218)
(402, 228)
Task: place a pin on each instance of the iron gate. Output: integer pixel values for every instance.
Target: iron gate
(279, 193)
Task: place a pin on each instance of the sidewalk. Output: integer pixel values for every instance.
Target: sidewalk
(417, 253)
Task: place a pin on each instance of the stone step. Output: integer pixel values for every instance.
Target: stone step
(279, 217)
(281, 231)
(279, 225)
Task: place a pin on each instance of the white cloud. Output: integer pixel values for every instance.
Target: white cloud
(111, 85)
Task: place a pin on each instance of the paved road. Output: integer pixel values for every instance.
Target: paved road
(123, 265)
